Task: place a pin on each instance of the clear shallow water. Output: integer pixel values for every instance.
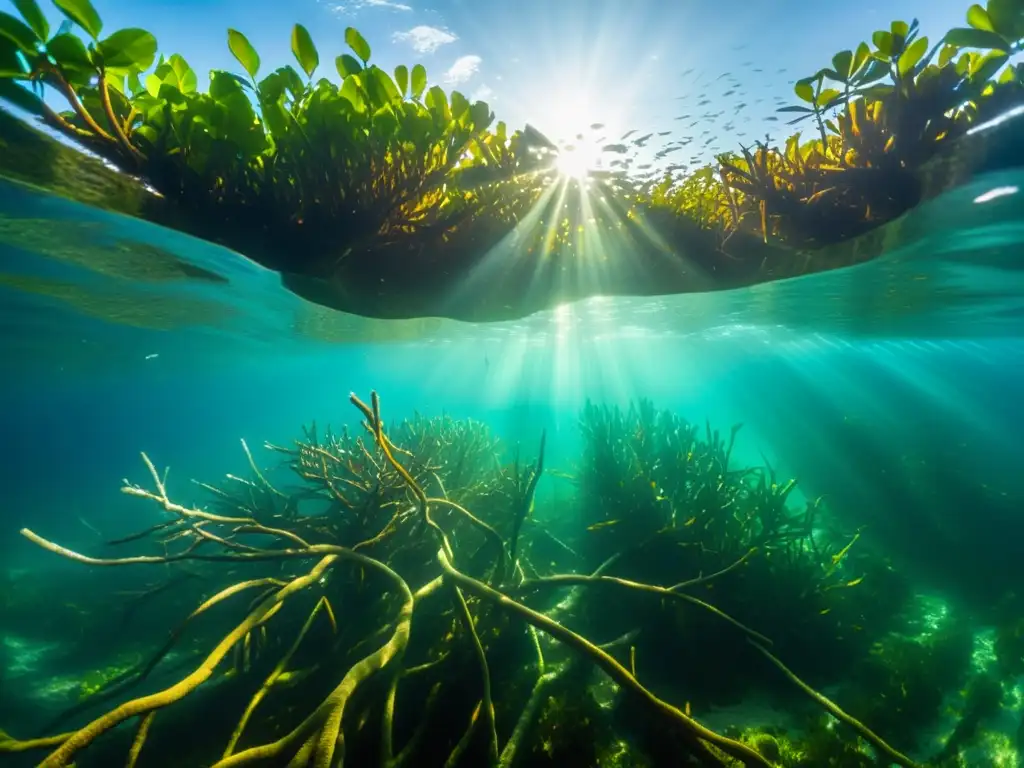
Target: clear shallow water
(928, 337)
(70, 302)
(892, 389)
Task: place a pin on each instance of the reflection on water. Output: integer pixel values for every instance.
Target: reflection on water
(882, 388)
(84, 288)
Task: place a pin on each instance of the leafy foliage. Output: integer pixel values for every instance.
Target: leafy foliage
(297, 157)
(881, 111)
(309, 172)
(664, 497)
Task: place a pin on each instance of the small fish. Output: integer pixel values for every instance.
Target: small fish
(603, 524)
(153, 356)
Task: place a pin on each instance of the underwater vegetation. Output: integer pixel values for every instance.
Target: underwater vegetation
(411, 599)
(341, 173)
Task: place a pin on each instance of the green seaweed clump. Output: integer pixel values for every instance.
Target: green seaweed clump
(394, 604)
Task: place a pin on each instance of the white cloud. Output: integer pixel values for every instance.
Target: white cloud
(351, 6)
(483, 93)
(424, 39)
(463, 69)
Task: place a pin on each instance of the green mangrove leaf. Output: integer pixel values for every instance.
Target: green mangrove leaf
(380, 87)
(11, 64)
(83, 14)
(273, 86)
(241, 81)
(876, 92)
(804, 91)
(963, 65)
(828, 98)
(899, 29)
(1008, 75)
(130, 47)
(134, 83)
(402, 79)
(69, 51)
(352, 91)
(115, 80)
(347, 65)
(358, 44)
(147, 132)
(913, 53)
(33, 16)
(304, 50)
(187, 79)
(873, 72)
(223, 85)
(243, 51)
(482, 116)
(459, 105)
(16, 31)
(168, 92)
(385, 124)
(883, 42)
(419, 81)
(20, 97)
(153, 84)
(437, 102)
(967, 37)
(276, 118)
(1007, 17)
(978, 18)
(842, 63)
(861, 57)
(293, 81)
(984, 66)
(946, 54)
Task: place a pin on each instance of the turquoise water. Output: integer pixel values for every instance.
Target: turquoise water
(892, 389)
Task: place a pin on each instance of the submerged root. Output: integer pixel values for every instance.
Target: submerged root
(481, 608)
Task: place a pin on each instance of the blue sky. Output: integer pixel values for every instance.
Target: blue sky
(563, 65)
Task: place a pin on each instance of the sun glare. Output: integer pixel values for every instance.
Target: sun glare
(572, 119)
(577, 161)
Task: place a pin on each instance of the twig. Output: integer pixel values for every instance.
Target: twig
(64, 755)
(140, 739)
(693, 730)
(273, 677)
(574, 579)
(527, 500)
(833, 709)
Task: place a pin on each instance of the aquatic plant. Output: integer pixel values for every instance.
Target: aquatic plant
(897, 103)
(343, 182)
(414, 618)
(294, 156)
(664, 497)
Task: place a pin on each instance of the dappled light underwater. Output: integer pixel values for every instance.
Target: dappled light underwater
(511, 561)
(347, 424)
